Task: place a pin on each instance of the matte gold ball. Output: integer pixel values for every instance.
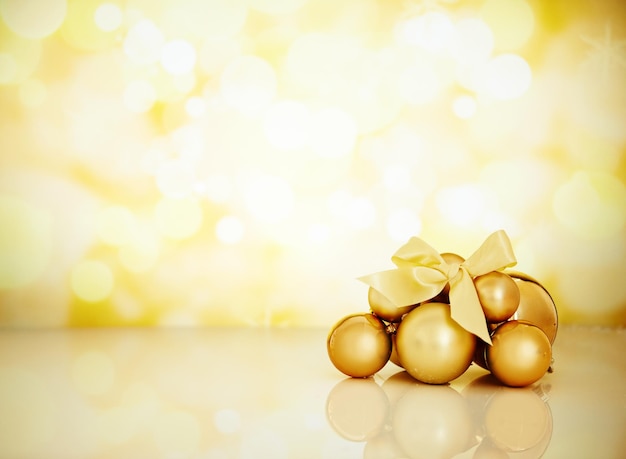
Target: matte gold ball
(384, 308)
(520, 353)
(358, 345)
(498, 294)
(431, 346)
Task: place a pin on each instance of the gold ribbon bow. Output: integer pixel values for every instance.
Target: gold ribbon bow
(422, 273)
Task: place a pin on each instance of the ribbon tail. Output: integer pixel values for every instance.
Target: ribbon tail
(465, 307)
(407, 286)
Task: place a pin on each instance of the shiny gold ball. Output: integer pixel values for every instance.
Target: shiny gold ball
(498, 294)
(536, 305)
(385, 309)
(431, 346)
(358, 345)
(520, 353)
(394, 358)
(357, 409)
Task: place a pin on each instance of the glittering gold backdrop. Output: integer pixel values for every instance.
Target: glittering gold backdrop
(241, 162)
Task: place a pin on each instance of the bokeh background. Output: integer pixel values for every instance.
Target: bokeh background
(242, 162)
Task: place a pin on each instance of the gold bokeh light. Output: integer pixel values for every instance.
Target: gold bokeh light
(241, 162)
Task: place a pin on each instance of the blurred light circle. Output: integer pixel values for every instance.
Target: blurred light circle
(286, 125)
(269, 199)
(178, 57)
(419, 83)
(139, 96)
(116, 225)
(318, 233)
(248, 84)
(432, 31)
(175, 178)
(512, 22)
(332, 133)
(218, 188)
(397, 177)
(473, 41)
(195, 107)
(229, 229)
(92, 280)
(463, 205)
(144, 42)
(25, 242)
(507, 76)
(464, 107)
(227, 420)
(33, 19)
(361, 213)
(591, 205)
(108, 17)
(178, 218)
(402, 224)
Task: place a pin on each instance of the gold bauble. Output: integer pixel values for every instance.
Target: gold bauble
(517, 420)
(394, 358)
(444, 295)
(357, 409)
(431, 346)
(486, 450)
(432, 422)
(520, 353)
(384, 308)
(382, 446)
(358, 345)
(498, 294)
(536, 306)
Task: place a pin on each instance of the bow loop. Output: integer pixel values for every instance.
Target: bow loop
(422, 273)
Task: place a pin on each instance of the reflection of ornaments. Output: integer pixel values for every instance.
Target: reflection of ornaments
(357, 409)
(358, 345)
(408, 419)
(431, 346)
(432, 422)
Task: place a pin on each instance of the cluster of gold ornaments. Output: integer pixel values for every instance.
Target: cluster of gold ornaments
(468, 311)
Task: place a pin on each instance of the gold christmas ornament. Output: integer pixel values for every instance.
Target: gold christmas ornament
(422, 273)
(498, 294)
(394, 358)
(536, 306)
(385, 309)
(520, 353)
(431, 346)
(358, 345)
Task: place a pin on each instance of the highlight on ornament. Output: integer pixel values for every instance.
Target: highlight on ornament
(436, 314)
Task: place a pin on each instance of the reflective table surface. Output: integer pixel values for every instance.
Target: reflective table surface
(273, 393)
